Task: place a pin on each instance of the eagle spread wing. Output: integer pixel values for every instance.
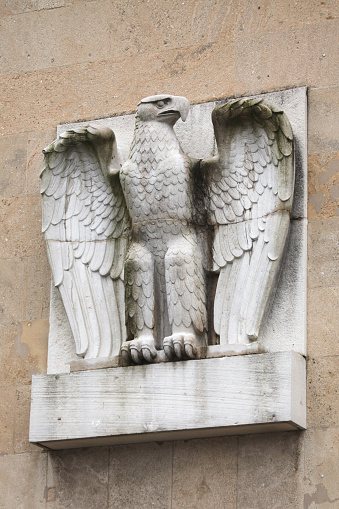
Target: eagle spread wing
(85, 222)
(250, 190)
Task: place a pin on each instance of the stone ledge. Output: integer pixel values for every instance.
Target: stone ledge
(203, 398)
(203, 352)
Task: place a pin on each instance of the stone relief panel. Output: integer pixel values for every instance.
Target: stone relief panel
(172, 240)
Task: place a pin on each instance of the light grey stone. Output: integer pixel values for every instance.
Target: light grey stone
(212, 479)
(142, 469)
(211, 397)
(270, 471)
(183, 333)
(78, 478)
(284, 327)
(61, 346)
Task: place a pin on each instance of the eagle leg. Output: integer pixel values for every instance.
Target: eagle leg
(186, 298)
(139, 297)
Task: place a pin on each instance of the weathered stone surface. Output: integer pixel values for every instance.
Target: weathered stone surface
(196, 136)
(7, 406)
(323, 185)
(20, 227)
(36, 294)
(321, 468)
(140, 476)
(121, 34)
(323, 120)
(270, 470)
(168, 25)
(34, 337)
(290, 58)
(36, 142)
(11, 288)
(322, 323)
(278, 333)
(8, 7)
(212, 479)
(261, 16)
(61, 345)
(81, 91)
(210, 397)
(122, 84)
(13, 158)
(19, 359)
(78, 478)
(23, 480)
(322, 392)
(21, 425)
(56, 37)
(323, 253)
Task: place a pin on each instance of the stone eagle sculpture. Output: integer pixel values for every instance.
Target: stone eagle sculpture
(168, 254)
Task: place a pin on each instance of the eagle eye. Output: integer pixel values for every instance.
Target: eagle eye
(162, 103)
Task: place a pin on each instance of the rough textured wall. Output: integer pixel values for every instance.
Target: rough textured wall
(64, 60)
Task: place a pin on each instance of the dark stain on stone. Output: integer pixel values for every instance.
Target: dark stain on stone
(20, 349)
(318, 497)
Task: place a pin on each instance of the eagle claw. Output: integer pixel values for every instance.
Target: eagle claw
(180, 345)
(139, 350)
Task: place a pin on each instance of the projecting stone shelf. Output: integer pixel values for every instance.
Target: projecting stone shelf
(202, 398)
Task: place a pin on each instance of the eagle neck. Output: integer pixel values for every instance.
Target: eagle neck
(157, 138)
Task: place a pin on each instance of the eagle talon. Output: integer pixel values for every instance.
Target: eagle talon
(139, 350)
(168, 348)
(136, 355)
(180, 345)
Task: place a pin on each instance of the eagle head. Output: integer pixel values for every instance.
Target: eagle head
(163, 108)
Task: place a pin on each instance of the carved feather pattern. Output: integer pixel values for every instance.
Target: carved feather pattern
(85, 222)
(185, 284)
(156, 181)
(250, 190)
(139, 283)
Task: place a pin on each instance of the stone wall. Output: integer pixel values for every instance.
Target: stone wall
(66, 60)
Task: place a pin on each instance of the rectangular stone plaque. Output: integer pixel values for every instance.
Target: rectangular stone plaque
(285, 327)
(202, 398)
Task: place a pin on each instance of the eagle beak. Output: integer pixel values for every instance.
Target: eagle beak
(182, 105)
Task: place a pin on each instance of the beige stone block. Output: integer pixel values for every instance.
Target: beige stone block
(34, 336)
(261, 16)
(23, 481)
(36, 292)
(36, 142)
(287, 58)
(323, 121)
(323, 238)
(323, 319)
(322, 392)
(44, 39)
(103, 89)
(13, 158)
(20, 227)
(8, 7)
(270, 470)
(140, 476)
(321, 485)
(7, 405)
(21, 424)
(11, 288)
(205, 474)
(78, 478)
(9, 369)
(323, 186)
(56, 37)
(20, 356)
(168, 25)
